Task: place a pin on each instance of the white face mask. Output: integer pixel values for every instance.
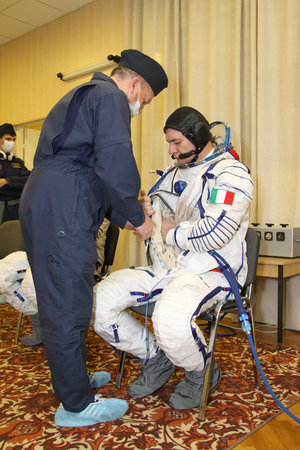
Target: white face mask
(8, 146)
(134, 109)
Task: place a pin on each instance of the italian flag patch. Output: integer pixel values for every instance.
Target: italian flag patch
(221, 196)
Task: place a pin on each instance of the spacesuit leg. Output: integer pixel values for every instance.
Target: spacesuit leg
(174, 317)
(13, 269)
(178, 335)
(118, 327)
(35, 338)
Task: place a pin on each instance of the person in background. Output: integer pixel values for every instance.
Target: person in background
(13, 175)
(84, 170)
(200, 210)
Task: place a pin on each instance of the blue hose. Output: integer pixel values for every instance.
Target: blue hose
(253, 349)
(229, 274)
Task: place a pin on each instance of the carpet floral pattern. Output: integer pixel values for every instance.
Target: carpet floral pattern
(235, 409)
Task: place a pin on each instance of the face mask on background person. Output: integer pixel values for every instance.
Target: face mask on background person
(134, 109)
(8, 146)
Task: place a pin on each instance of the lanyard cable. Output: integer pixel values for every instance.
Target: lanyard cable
(228, 273)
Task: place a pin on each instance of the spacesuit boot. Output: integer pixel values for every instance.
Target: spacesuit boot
(155, 372)
(187, 394)
(35, 338)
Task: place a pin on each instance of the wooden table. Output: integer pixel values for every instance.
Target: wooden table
(280, 268)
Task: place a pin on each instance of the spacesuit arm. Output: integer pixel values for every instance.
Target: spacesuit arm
(220, 220)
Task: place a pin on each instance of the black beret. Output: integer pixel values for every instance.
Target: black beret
(7, 128)
(145, 66)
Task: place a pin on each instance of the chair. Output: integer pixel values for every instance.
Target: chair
(112, 236)
(11, 240)
(213, 316)
(229, 306)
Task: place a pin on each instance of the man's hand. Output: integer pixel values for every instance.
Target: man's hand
(128, 226)
(144, 231)
(145, 201)
(3, 182)
(166, 226)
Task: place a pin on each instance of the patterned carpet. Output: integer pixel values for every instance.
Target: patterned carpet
(235, 409)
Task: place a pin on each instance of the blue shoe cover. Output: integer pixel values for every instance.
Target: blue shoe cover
(98, 379)
(101, 410)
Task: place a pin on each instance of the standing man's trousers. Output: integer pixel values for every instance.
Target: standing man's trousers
(60, 216)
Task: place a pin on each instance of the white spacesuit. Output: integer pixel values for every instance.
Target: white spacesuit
(183, 267)
(209, 201)
(16, 284)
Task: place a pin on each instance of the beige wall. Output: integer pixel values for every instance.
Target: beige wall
(29, 86)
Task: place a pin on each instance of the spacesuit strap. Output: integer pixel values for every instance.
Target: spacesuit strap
(17, 294)
(148, 254)
(161, 179)
(202, 347)
(21, 273)
(146, 296)
(115, 331)
(72, 112)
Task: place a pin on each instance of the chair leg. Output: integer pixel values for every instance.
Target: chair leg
(121, 369)
(209, 361)
(18, 327)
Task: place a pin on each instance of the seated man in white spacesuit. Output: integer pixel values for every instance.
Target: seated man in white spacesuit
(199, 207)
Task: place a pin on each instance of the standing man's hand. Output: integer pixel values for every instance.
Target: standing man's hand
(128, 226)
(144, 231)
(146, 203)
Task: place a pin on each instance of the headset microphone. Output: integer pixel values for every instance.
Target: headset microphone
(187, 155)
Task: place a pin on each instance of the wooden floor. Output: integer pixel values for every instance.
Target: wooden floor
(282, 432)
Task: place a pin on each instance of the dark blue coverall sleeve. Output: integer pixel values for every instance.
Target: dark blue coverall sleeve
(101, 130)
(115, 163)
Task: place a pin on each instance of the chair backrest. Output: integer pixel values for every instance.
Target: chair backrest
(11, 239)
(112, 236)
(253, 243)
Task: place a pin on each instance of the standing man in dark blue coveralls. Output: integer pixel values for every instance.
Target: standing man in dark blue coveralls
(13, 175)
(84, 169)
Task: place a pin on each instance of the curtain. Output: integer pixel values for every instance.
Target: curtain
(235, 61)
(278, 111)
(154, 28)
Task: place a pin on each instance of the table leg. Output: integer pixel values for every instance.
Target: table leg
(280, 306)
